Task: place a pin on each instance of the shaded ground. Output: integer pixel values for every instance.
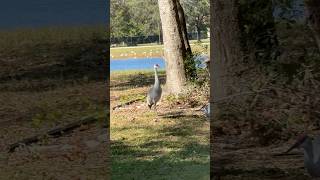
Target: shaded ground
(172, 143)
(237, 157)
(60, 83)
(26, 113)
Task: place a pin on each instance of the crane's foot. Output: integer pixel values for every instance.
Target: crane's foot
(156, 119)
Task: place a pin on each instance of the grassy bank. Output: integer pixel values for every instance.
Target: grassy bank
(155, 145)
(153, 50)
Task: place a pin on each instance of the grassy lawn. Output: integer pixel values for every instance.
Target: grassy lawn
(153, 145)
(152, 50)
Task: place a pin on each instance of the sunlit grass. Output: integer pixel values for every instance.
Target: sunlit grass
(151, 50)
(145, 148)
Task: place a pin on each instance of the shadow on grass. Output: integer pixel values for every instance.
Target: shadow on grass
(175, 153)
(259, 173)
(135, 163)
(136, 80)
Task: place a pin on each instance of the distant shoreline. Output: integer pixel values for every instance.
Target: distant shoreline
(134, 57)
(145, 51)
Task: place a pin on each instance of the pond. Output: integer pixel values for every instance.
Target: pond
(135, 63)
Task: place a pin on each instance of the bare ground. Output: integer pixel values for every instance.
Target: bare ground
(236, 157)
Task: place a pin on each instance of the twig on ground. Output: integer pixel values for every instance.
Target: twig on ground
(127, 103)
(239, 94)
(55, 132)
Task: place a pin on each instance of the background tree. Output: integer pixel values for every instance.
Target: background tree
(145, 15)
(197, 15)
(182, 20)
(174, 48)
(189, 63)
(121, 25)
(134, 18)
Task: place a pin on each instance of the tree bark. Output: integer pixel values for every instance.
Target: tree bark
(189, 64)
(198, 33)
(174, 47)
(313, 17)
(227, 47)
(183, 27)
(160, 33)
(226, 50)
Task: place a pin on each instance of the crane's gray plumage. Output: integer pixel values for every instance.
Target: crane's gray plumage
(311, 147)
(154, 93)
(206, 110)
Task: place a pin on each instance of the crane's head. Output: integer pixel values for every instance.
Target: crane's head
(156, 66)
(301, 141)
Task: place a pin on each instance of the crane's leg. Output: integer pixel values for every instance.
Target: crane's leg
(155, 109)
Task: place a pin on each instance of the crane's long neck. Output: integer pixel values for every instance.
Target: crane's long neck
(156, 79)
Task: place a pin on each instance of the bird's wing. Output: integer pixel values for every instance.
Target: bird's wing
(316, 149)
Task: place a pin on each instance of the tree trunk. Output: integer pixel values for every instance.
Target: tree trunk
(225, 50)
(313, 16)
(227, 47)
(183, 27)
(174, 48)
(160, 33)
(198, 33)
(189, 64)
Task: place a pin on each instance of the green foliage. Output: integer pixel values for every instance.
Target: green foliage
(194, 95)
(197, 14)
(121, 21)
(190, 67)
(141, 17)
(191, 63)
(134, 18)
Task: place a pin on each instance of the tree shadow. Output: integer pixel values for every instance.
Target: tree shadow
(131, 163)
(258, 173)
(136, 80)
(187, 159)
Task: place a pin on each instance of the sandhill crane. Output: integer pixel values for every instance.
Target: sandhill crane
(206, 110)
(311, 147)
(154, 93)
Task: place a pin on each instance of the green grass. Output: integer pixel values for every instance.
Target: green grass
(171, 148)
(137, 51)
(152, 50)
(168, 150)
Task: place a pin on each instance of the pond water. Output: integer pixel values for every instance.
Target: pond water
(136, 64)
